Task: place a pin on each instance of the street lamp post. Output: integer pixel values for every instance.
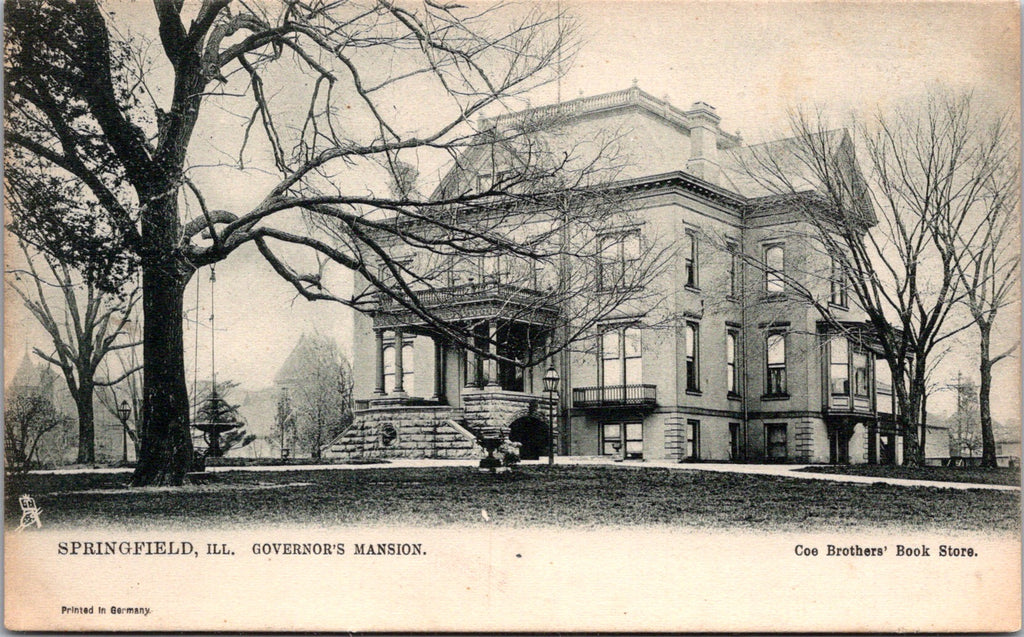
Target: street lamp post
(551, 387)
(123, 411)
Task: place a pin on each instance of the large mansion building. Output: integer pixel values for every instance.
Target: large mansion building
(725, 364)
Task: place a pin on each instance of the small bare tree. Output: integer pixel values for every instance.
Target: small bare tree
(125, 366)
(84, 325)
(965, 427)
(29, 417)
(320, 393)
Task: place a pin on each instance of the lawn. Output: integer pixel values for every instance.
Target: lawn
(1001, 475)
(536, 495)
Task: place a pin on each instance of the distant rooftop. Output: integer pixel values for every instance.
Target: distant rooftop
(631, 97)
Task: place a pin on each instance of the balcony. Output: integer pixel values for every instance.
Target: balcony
(471, 300)
(615, 396)
(468, 292)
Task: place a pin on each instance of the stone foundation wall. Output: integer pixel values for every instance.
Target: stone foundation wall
(498, 409)
(430, 431)
(420, 432)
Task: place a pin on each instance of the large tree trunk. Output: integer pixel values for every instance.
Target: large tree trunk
(86, 424)
(165, 453)
(910, 419)
(988, 439)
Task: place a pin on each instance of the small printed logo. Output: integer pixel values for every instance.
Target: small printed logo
(29, 513)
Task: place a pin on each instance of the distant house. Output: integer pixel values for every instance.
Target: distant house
(111, 445)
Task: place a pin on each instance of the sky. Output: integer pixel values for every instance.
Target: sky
(751, 61)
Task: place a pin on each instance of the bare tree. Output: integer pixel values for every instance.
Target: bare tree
(988, 248)
(84, 325)
(928, 169)
(965, 424)
(29, 417)
(81, 116)
(125, 365)
(319, 393)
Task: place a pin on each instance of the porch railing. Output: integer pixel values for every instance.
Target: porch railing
(468, 292)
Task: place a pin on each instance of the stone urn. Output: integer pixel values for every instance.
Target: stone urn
(490, 439)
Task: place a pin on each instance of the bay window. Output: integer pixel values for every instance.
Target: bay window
(839, 369)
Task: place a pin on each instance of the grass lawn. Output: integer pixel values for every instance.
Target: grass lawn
(1001, 475)
(534, 495)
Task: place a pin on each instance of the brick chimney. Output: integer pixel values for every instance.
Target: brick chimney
(703, 162)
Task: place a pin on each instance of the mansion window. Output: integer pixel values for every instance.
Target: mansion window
(692, 357)
(622, 439)
(845, 366)
(775, 441)
(732, 380)
(408, 369)
(692, 263)
(859, 363)
(774, 260)
(883, 386)
(839, 367)
(619, 254)
(837, 279)
(776, 368)
(691, 450)
(508, 269)
(621, 357)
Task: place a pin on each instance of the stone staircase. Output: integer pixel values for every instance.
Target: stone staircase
(406, 432)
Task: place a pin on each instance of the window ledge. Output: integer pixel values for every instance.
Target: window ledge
(775, 397)
(694, 392)
(838, 306)
(692, 288)
(773, 296)
(734, 396)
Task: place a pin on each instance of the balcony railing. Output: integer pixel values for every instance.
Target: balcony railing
(471, 292)
(615, 395)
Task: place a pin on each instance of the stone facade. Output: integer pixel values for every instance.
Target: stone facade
(419, 432)
(727, 356)
(433, 431)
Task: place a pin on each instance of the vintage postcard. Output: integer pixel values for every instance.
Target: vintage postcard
(569, 316)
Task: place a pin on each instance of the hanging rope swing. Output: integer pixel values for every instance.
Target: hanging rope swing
(215, 416)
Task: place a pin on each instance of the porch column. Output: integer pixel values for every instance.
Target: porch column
(471, 361)
(378, 335)
(492, 349)
(399, 369)
(439, 360)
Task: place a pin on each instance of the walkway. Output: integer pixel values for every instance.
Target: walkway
(781, 470)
